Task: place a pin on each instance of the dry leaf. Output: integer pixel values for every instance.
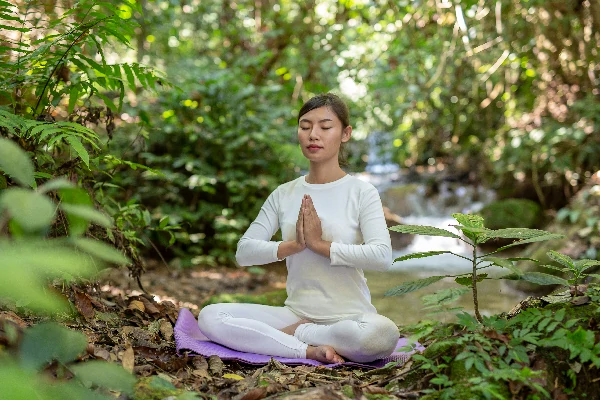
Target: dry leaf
(233, 376)
(255, 394)
(166, 329)
(150, 308)
(128, 360)
(215, 365)
(137, 305)
(84, 305)
(101, 353)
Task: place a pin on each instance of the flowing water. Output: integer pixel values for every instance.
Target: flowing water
(416, 207)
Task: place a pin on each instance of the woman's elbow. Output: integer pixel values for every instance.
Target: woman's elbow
(384, 260)
(241, 256)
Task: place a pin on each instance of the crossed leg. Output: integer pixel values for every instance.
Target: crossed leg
(277, 331)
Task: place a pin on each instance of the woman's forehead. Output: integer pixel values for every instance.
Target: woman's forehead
(321, 114)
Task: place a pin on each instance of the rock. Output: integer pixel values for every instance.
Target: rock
(512, 213)
(401, 199)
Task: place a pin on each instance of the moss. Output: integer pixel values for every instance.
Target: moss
(512, 213)
(274, 298)
(437, 349)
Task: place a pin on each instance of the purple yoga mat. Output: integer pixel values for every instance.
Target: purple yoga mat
(189, 337)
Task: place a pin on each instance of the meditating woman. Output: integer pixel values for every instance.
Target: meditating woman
(333, 228)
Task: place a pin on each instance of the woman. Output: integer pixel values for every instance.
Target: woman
(333, 228)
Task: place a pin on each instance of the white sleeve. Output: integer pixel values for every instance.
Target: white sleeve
(256, 247)
(376, 251)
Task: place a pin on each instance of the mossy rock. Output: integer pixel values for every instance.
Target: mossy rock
(273, 298)
(396, 198)
(512, 213)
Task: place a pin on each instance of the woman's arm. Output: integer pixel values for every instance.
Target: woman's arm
(256, 247)
(376, 252)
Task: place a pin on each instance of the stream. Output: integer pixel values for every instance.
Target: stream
(418, 204)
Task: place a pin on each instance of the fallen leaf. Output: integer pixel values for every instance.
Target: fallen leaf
(215, 365)
(166, 329)
(101, 353)
(495, 335)
(84, 305)
(136, 305)
(255, 394)
(233, 376)
(150, 308)
(128, 360)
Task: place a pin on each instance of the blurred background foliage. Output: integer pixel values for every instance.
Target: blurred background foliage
(193, 103)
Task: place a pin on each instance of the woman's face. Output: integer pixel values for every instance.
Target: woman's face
(320, 134)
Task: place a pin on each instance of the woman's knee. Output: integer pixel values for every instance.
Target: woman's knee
(210, 316)
(379, 337)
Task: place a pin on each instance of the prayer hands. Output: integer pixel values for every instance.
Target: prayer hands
(301, 243)
(312, 231)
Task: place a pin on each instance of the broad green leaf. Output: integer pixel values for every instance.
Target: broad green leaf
(411, 286)
(50, 341)
(79, 149)
(421, 255)
(468, 279)
(17, 383)
(542, 238)
(101, 250)
(55, 184)
(562, 259)
(515, 233)
(504, 263)
(32, 211)
(76, 196)
(541, 278)
(105, 375)
(523, 259)
(585, 264)
(423, 230)
(15, 162)
(24, 284)
(471, 225)
(88, 213)
(469, 220)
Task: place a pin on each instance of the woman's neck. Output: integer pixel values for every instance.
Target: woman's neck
(319, 174)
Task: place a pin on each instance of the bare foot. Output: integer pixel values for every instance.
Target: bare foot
(325, 354)
(291, 329)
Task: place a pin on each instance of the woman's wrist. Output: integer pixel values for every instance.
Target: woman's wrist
(288, 248)
(321, 247)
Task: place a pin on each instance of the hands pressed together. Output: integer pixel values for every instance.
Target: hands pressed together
(308, 233)
(308, 226)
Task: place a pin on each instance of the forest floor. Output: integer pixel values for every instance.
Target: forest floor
(135, 329)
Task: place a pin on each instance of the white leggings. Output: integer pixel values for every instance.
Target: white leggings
(254, 328)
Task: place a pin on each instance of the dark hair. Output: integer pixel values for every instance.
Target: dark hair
(339, 108)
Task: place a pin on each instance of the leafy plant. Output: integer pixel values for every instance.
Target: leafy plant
(575, 270)
(475, 233)
(29, 260)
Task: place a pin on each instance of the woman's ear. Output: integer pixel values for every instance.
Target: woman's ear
(346, 134)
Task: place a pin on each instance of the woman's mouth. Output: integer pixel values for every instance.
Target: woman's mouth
(314, 148)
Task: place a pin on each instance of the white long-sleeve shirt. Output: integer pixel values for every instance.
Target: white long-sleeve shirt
(319, 288)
